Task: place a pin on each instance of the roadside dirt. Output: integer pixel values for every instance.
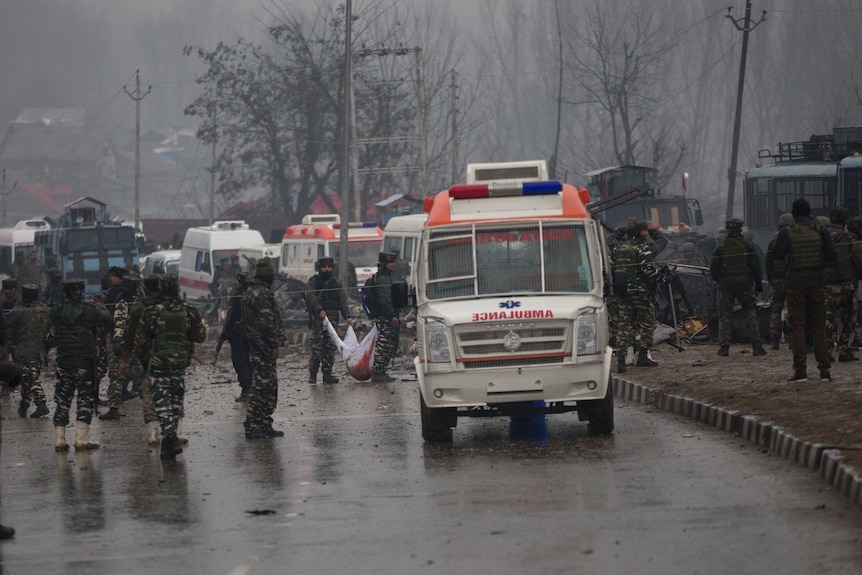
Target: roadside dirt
(826, 413)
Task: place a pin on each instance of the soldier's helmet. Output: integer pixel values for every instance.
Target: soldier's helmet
(263, 270)
(733, 223)
(384, 258)
(838, 215)
(153, 283)
(73, 286)
(29, 293)
(10, 283)
(786, 220)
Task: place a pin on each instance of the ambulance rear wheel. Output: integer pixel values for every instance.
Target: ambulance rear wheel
(437, 423)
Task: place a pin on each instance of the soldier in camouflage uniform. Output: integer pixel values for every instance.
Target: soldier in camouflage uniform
(239, 354)
(152, 285)
(388, 323)
(26, 333)
(325, 297)
(261, 323)
(735, 267)
(118, 382)
(840, 279)
(775, 275)
(168, 330)
(53, 293)
(76, 324)
(634, 257)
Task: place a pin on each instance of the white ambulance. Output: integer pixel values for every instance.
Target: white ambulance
(401, 236)
(18, 240)
(511, 316)
(207, 252)
(248, 255)
(319, 236)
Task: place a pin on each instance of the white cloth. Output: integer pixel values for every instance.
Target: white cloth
(357, 355)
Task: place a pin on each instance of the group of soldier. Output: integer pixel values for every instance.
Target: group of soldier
(812, 266)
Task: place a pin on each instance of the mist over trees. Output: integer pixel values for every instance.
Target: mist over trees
(582, 83)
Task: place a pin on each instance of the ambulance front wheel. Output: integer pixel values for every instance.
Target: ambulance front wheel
(437, 423)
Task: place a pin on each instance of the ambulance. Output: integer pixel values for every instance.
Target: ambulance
(319, 236)
(511, 315)
(18, 240)
(205, 248)
(401, 236)
(248, 255)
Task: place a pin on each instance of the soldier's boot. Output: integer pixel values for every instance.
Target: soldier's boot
(621, 362)
(41, 409)
(757, 349)
(644, 359)
(180, 435)
(22, 408)
(112, 414)
(329, 378)
(82, 436)
(171, 447)
(775, 340)
(312, 377)
(724, 350)
(155, 435)
(60, 439)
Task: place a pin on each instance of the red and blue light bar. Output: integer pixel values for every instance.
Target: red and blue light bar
(356, 225)
(504, 189)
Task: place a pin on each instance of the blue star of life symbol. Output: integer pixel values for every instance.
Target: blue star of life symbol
(509, 304)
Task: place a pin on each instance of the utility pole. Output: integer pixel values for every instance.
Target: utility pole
(421, 114)
(345, 152)
(745, 28)
(6, 193)
(137, 96)
(453, 99)
(212, 182)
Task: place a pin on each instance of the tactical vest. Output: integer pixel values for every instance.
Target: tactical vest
(626, 259)
(734, 260)
(170, 345)
(806, 247)
(842, 270)
(75, 340)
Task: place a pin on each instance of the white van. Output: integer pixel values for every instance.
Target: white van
(248, 255)
(18, 240)
(168, 260)
(204, 249)
(401, 236)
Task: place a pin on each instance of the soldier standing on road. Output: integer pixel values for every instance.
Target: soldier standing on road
(807, 247)
(26, 333)
(325, 297)
(10, 295)
(117, 382)
(168, 330)
(635, 256)
(31, 271)
(841, 278)
(262, 324)
(239, 352)
(76, 324)
(735, 267)
(775, 272)
(53, 294)
(387, 321)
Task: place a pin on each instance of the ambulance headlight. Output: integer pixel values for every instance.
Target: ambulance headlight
(437, 342)
(587, 334)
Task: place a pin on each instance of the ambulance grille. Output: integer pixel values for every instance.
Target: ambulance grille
(541, 342)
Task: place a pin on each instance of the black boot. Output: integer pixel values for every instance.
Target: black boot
(724, 350)
(112, 414)
(312, 377)
(171, 447)
(757, 349)
(22, 408)
(775, 340)
(329, 378)
(621, 362)
(644, 360)
(41, 409)
(6, 532)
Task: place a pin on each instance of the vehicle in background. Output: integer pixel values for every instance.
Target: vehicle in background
(204, 248)
(248, 255)
(319, 236)
(826, 170)
(401, 236)
(168, 260)
(18, 241)
(87, 242)
(676, 215)
(511, 314)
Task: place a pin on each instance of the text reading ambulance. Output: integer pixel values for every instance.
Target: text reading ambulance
(510, 302)
(319, 237)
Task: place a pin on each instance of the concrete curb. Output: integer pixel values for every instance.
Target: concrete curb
(826, 460)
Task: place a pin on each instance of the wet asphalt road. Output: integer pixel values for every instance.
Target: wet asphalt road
(353, 489)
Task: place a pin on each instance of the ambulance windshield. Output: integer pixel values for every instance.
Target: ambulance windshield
(536, 258)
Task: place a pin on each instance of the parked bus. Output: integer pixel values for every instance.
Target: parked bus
(17, 241)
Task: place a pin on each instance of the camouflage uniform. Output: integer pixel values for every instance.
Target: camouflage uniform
(775, 275)
(27, 332)
(168, 330)
(387, 319)
(239, 353)
(135, 363)
(735, 267)
(118, 381)
(840, 279)
(76, 325)
(261, 322)
(325, 297)
(633, 258)
(10, 298)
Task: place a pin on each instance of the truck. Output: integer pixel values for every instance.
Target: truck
(87, 242)
(319, 236)
(511, 315)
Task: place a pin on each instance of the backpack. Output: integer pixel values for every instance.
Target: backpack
(170, 344)
(370, 305)
(734, 261)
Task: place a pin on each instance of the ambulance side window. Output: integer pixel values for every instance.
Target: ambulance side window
(202, 262)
